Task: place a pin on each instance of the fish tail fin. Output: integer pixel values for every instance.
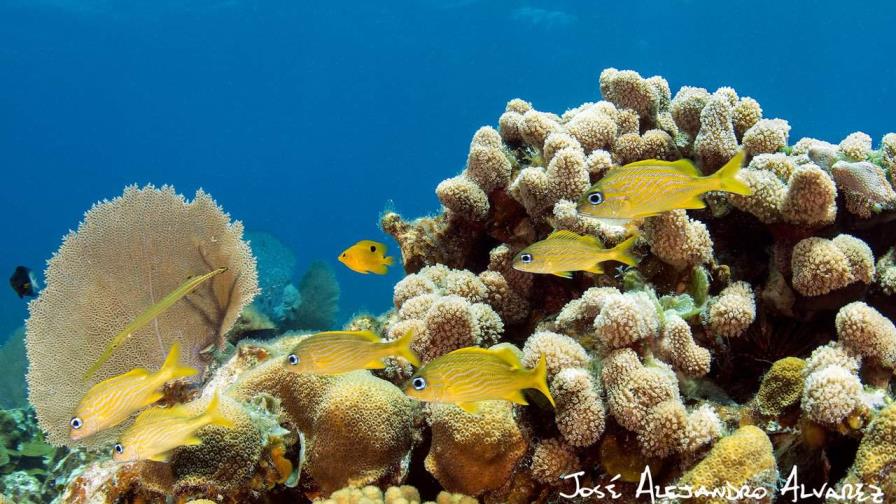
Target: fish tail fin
(540, 379)
(172, 368)
(727, 176)
(388, 260)
(213, 414)
(623, 251)
(403, 348)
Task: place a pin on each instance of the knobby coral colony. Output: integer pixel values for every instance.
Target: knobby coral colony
(754, 336)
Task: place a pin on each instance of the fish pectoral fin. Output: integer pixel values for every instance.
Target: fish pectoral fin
(563, 274)
(694, 203)
(379, 269)
(508, 357)
(597, 269)
(155, 396)
(517, 397)
(470, 407)
(161, 457)
(375, 364)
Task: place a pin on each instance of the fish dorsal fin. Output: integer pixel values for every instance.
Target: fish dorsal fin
(159, 412)
(136, 372)
(563, 234)
(367, 335)
(683, 165)
(507, 355)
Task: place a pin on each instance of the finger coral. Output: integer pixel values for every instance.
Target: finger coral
(581, 416)
(731, 312)
(821, 266)
(553, 459)
(766, 136)
(678, 240)
(680, 349)
(127, 254)
(856, 146)
(449, 310)
(865, 187)
(865, 331)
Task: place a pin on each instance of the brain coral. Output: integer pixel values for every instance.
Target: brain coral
(742, 458)
(781, 386)
(127, 254)
(361, 434)
(473, 454)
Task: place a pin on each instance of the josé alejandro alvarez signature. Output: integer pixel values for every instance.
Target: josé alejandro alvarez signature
(792, 491)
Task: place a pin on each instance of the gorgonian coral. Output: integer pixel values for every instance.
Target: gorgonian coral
(127, 254)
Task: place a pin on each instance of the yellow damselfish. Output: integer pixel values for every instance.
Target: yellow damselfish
(651, 187)
(469, 375)
(112, 401)
(149, 314)
(158, 431)
(366, 256)
(336, 352)
(563, 252)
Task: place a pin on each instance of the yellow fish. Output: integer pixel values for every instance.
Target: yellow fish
(366, 256)
(112, 401)
(469, 375)
(563, 252)
(651, 187)
(335, 352)
(190, 285)
(158, 431)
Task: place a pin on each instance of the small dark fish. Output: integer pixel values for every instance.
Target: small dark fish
(23, 282)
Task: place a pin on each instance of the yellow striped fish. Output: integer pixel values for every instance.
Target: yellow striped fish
(651, 187)
(469, 375)
(112, 401)
(563, 252)
(158, 431)
(335, 352)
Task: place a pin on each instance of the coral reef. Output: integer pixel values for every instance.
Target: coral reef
(755, 335)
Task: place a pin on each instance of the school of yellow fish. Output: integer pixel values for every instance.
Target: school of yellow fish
(464, 377)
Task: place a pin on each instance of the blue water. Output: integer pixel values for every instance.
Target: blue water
(305, 119)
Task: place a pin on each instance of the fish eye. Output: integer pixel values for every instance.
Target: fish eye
(76, 423)
(293, 359)
(373, 248)
(119, 449)
(526, 258)
(344, 255)
(596, 198)
(419, 383)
